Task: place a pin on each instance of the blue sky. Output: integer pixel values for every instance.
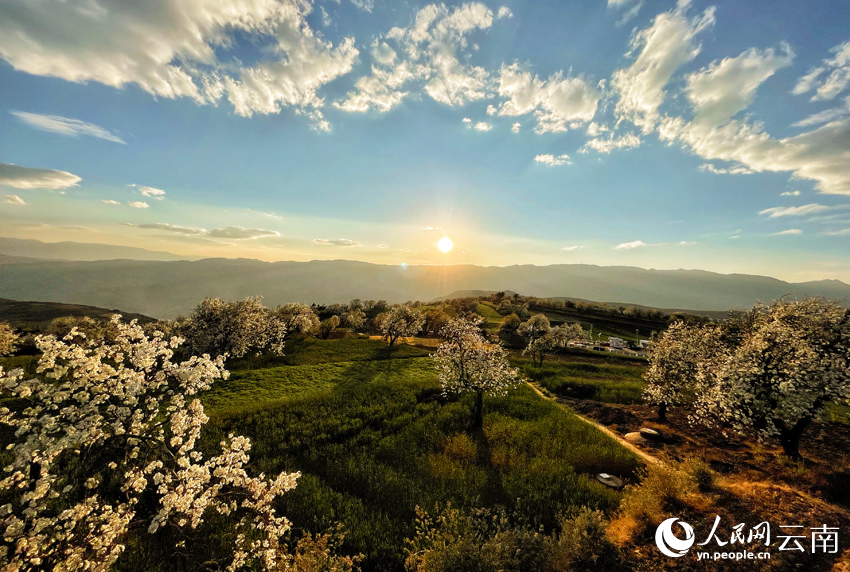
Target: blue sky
(712, 135)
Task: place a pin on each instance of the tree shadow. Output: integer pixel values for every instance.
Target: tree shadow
(493, 492)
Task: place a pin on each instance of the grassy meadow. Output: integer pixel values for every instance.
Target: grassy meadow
(374, 438)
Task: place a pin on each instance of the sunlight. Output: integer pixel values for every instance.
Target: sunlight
(445, 244)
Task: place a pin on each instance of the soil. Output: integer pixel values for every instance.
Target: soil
(753, 482)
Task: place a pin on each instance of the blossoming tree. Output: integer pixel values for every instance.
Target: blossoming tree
(467, 363)
(105, 440)
(674, 359)
(8, 339)
(401, 321)
(768, 373)
(778, 375)
(557, 337)
(234, 328)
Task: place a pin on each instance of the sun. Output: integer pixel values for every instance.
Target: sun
(445, 244)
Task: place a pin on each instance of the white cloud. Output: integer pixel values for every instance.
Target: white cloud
(830, 86)
(789, 231)
(326, 18)
(169, 228)
(26, 178)
(66, 126)
(629, 13)
(825, 116)
(516, 127)
(808, 81)
(239, 233)
(365, 5)
(687, 243)
(467, 120)
(776, 212)
(630, 245)
(483, 126)
(383, 246)
(790, 194)
(109, 202)
(667, 44)
(14, 200)
(552, 160)
(178, 49)
(338, 242)
(504, 12)
(555, 101)
(139, 204)
(718, 93)
(725, 88)
(572, 248)
(383, 53)
(429, 228)
(735, 170)
(150, 192)
(627, 141)
(428, 51)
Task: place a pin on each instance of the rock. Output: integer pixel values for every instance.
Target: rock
(635, 438)
(648, 433)
(609, 480)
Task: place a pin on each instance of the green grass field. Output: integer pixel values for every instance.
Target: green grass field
(611, 383)
(374, 439)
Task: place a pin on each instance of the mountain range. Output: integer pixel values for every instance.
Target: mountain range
(168, 288)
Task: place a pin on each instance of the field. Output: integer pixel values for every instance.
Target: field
(374, 439)
(377, 442)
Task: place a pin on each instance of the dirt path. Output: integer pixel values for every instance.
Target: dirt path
(630, 446)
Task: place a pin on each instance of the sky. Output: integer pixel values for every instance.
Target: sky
(659, 134)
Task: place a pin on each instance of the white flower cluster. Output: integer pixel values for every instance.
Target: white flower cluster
(769, 372)
(106, 424)
(466, 362)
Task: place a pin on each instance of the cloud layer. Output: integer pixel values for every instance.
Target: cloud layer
(28, 178)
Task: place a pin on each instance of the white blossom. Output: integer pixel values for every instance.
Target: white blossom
(107, 412)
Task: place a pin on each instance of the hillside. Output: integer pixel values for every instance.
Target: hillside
(37, 315)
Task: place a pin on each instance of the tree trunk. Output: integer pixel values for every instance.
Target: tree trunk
(662, 412)
(476, 420)
(790, 439)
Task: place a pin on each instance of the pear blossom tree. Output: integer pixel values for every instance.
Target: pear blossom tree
(467, 363)
(354, 318)
(400, 321)
(296, 317)
(536, 326)
(558, 337)
(235, 328)
(675, 358)
(778, 374)
(105, 441)
(8, 339)
(327, 326)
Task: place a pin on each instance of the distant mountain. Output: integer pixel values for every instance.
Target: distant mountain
(37, 315)
(168, 289)
(7, 259)
(471, 294)
(80, 251)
